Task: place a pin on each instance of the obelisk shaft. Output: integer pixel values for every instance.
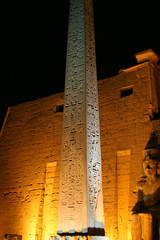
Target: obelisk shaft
(80, 206)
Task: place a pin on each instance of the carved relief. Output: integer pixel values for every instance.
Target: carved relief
(81, 158)
(72, 159)
(93, 136)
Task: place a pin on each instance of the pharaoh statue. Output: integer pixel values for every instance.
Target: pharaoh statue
(146, 212)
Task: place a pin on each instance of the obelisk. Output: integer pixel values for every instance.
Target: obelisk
(80, 208)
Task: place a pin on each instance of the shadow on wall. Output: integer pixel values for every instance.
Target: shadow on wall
(12, 237)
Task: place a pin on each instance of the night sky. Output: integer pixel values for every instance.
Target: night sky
(35, 38)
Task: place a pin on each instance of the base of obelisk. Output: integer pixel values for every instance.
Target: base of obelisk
(78, 237)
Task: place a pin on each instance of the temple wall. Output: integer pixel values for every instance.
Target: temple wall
(30, 141)
(30, 147)
(125, 130)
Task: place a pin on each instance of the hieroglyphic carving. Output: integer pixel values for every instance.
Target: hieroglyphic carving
(80, 172)
(95, 199)
(73, 180)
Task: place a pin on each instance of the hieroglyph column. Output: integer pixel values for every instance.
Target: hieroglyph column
(80, 206)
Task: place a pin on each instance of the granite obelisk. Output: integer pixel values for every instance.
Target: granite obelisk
(80, 208)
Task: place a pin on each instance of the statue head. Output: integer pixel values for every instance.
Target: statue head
(151, 156)
(150, 167)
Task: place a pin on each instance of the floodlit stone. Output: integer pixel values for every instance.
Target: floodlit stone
(147, 55)
(148, 195)
(80, 206)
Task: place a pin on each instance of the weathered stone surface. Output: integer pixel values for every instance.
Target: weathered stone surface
(80, 197)
(148, 195)
(147, 55)
(31, 138)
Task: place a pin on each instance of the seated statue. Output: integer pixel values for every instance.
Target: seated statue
(148, 195)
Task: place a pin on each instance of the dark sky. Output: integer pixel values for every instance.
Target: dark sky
(35, 37)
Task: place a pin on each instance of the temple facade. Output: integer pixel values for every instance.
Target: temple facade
(30, 152)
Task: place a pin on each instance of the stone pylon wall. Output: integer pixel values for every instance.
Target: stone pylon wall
(30, 148)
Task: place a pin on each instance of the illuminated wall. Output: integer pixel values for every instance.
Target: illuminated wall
(30, 146)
